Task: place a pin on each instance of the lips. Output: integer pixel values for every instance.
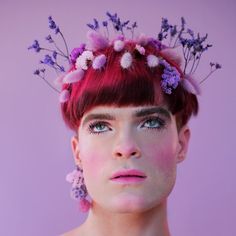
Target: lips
(132, 173)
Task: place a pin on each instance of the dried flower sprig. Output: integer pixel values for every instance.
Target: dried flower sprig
(117, 24)
(193, 46)
(81, 58)
(51, 60)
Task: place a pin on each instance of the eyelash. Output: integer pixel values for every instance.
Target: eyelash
(161, 125)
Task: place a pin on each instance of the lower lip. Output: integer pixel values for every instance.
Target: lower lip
(128, 180)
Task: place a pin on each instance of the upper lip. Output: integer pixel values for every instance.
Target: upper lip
(131, 172)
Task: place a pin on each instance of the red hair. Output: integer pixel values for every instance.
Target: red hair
(137, 85)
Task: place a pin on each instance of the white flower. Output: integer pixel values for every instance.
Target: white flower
(152, 60)
(82, 60)
(140, 49)
(126, 60)
(119, 45)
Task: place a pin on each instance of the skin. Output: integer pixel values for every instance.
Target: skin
(150, 143)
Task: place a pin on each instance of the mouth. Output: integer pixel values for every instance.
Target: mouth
(128, 176)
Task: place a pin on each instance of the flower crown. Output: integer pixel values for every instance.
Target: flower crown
(82, 58)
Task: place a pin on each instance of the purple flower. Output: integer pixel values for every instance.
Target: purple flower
(218, 66)
(76, 52)
(48, 60)
(170, 77)
(173, 31)
(37, 72)
(54, 55)
(57, 30)
(134, 25)
(35, 46)
(165, 25)
(190, 32)
(105, 23)
(94, 26)
(49, 39)
(52, 24)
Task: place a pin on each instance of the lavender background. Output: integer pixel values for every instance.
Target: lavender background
(35, 144)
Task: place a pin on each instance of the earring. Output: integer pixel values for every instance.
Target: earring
(78, 190)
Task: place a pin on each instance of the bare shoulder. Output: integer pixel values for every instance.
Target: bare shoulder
(74, 232)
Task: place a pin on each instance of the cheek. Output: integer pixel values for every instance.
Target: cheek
(162, 154)
(93, 158)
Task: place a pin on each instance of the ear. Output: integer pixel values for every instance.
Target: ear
(75, 150)
(184, 136)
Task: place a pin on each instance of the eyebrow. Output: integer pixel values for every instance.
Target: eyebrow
(137, 114)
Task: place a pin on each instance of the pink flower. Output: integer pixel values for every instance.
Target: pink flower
(140, 49)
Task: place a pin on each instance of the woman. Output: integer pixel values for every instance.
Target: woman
(129, 100)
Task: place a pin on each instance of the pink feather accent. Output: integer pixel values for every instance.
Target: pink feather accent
(96, 41)
(58, 81)
(64, 96)
(84, 205)
(73, 76)
(142, 39)
(191, 85)
(172, 55)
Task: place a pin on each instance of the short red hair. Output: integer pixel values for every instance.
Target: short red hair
(136, 86)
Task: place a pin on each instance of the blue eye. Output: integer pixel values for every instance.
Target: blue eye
(98, 127)
(154, 123)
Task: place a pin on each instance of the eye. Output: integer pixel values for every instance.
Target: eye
(98, 127)
(154, 123)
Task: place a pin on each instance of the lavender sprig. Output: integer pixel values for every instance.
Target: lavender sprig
(192, 46)
(41, 74)
(51, 60)
(214, 67)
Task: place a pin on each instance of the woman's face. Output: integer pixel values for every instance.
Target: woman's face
(144, 138)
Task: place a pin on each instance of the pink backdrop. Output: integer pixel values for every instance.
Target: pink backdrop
(35, 144)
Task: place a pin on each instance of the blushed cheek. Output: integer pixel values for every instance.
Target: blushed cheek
(162, 158)
(92, 164)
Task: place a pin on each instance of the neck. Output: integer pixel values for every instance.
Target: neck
(152, 222)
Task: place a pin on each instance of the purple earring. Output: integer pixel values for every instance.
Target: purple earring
(79, 191)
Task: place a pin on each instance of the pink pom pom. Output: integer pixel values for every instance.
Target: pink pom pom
(99, 61)
(191, 85)
(126, 60)
(64, 96)
(73, 76)
(96, 40)
(84, 205)
(118, 45)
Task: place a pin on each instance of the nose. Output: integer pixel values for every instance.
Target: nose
(126, 147)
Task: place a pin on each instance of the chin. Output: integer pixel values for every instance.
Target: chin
(131, 204)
